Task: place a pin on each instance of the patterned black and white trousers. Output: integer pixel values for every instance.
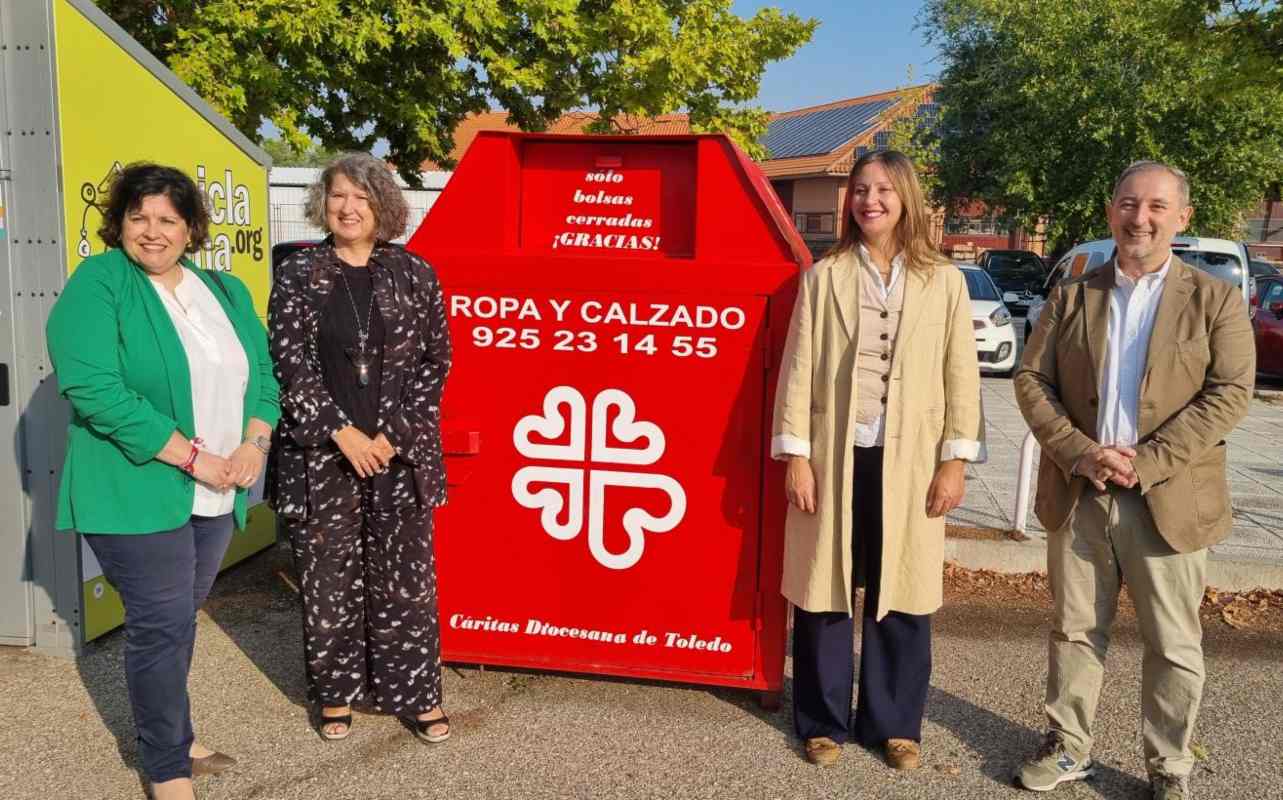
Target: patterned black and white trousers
(368, 578)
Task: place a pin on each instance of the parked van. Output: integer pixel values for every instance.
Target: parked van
(1221, 258)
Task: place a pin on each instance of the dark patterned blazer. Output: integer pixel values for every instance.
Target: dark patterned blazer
(416, 359)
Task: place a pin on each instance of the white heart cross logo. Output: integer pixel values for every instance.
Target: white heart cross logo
(562, 495)
(550, 501)
(625, 428)
(552, 426)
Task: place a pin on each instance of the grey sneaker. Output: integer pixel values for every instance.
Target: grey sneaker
(1169, 787)
(1054, 765)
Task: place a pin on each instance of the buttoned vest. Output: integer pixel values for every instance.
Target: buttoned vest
(879, 324)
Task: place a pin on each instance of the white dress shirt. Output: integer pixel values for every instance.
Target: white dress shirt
(1133, 305)
(219, 373)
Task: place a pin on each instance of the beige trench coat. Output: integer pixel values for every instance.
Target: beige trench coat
(934, 399)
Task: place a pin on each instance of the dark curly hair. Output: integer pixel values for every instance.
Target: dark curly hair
(145, 179)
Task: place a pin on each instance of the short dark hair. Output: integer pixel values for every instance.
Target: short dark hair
(145, 179)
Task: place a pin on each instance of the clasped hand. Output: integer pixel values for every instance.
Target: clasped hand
(368, 456)
(241, 468)
(213, 471)
(1108, 464)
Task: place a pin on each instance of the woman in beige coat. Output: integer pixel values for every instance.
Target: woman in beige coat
(878, 408)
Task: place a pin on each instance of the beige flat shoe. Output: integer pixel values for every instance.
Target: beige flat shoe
(823, 751)
(903, 754)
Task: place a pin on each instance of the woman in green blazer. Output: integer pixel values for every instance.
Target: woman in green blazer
(173, 402)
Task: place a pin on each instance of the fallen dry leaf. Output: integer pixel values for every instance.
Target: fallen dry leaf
(1258, 609)
(1233, 617)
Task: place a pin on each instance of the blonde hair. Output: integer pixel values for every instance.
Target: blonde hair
(913, 230)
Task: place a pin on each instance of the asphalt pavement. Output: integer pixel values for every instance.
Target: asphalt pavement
(67, 731)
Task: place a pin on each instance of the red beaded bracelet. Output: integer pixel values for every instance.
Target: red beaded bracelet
(189, 466)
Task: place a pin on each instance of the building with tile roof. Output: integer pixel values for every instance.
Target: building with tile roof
(812, 150)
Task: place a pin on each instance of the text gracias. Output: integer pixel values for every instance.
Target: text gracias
(649, 241)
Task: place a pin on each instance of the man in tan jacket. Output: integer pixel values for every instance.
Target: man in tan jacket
(1132, 379)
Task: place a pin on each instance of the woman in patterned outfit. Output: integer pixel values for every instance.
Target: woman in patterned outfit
(358, 334)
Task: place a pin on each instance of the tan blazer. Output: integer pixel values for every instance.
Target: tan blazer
(934, 396)
(1196, 387)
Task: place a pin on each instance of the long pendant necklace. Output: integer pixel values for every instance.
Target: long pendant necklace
(361, 359)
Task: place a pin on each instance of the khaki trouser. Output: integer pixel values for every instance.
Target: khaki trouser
(1111, 539)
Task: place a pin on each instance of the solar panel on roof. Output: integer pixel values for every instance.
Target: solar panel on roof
(821, 131)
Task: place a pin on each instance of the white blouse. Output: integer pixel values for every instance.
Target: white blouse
(219, 373)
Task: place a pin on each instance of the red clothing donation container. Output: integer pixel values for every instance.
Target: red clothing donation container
(617, 307)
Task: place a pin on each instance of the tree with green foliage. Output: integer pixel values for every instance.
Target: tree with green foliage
(913, 133)
(284, 155)
(1253, 30)
(1045, 102)
(348, 73)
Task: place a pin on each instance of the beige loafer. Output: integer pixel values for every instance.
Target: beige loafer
(823, 751)
(903, 754)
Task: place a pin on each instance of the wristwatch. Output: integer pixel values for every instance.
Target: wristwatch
(263, 443)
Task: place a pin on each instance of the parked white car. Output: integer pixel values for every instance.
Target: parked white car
(995, 335)
(1221, 258)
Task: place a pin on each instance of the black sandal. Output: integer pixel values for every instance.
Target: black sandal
(420, 728)
(344, 719)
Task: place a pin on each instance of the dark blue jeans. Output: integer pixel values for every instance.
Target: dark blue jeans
(163, 578)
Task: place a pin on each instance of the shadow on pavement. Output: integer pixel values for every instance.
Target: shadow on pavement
(1001, 744)
(777, 714)
(256, 605)
(257, 611)
(101, 665)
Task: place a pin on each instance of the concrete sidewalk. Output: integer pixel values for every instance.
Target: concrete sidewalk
(1252, 556)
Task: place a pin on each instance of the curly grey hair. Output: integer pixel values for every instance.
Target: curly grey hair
(375, 179)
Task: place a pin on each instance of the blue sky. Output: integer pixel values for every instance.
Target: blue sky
(861, 47)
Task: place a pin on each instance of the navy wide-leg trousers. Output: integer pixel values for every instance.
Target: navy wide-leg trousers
(895, 653)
